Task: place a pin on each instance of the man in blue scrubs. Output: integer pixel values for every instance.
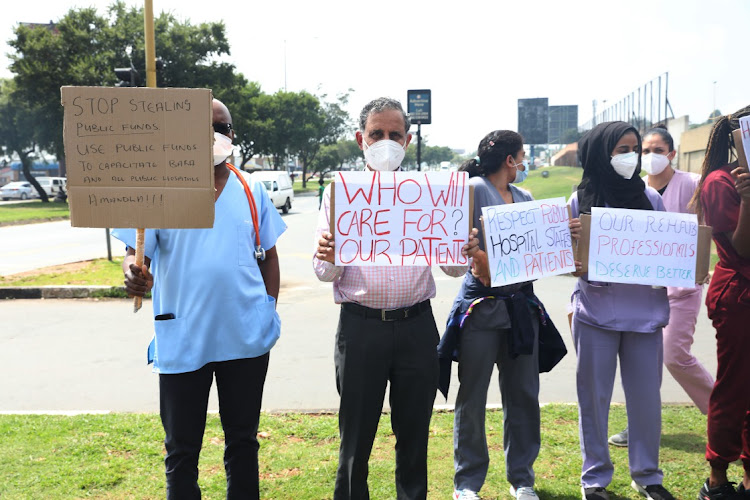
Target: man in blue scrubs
(215, 314)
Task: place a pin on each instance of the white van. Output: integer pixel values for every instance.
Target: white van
(279, 187)
(52, 185)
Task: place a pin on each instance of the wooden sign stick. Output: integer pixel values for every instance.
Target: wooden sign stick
(140, 239)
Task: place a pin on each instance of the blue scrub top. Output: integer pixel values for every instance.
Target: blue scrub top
(210, 280)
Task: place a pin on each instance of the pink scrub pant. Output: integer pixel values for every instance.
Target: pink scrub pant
(678, 338)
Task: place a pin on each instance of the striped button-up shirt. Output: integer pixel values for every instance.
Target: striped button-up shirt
(377, 287)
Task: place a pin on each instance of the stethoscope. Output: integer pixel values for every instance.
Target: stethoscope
(260, 252)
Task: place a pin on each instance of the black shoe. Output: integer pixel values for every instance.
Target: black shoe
(725, 491)
(595, 493)
(653, 491)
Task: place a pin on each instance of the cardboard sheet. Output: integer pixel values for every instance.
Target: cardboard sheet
(139, 157)
(703, 253)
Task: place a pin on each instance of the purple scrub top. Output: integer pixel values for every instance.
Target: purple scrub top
(618, 306)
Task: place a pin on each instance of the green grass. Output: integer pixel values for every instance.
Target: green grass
(32, 211)
(92, 272)
(121, 456)
(560, 182)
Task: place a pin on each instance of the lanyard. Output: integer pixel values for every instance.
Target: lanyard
(260, 252)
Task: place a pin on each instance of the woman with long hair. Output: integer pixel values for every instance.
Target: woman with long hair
(491, 326)
(723, 201)
(615, 320)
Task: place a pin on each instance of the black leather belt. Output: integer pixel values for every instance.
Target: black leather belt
(387, 314)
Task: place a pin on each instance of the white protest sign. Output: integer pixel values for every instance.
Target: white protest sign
(643, 247)
(400, 218)
(527, 241)
(745, 131)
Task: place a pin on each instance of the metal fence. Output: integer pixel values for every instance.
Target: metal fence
(643, 108)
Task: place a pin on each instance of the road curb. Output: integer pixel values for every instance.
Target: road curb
(61, 292)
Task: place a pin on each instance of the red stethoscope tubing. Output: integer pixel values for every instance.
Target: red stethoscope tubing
(260, 253)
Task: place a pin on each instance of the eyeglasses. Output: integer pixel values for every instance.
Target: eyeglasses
(222, 128)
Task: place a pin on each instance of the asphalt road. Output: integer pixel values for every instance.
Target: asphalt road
(90, 355)
(32, 246)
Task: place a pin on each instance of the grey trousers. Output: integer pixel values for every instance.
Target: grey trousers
(484, 344)
(641, 371)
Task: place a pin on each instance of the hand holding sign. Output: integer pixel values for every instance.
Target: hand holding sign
(326, 248)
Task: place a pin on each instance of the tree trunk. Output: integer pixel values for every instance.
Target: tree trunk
(304, 173)
(26, 162)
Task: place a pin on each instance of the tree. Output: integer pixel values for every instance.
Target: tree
(85, 47)
(243, 102)
(17, 130)
(349, 151)
(327, 159)
(433, 155)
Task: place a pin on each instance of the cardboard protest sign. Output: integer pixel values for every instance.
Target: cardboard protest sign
(741, 138)
(643, 247)
(703, 257)
(527, 241)
(139, 157)
(400, 218)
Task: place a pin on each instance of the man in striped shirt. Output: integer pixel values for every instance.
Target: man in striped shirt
(386, 332)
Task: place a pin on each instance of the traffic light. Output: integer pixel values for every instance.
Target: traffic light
(129, 77)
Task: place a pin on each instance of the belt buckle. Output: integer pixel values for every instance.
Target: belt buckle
(383, 318)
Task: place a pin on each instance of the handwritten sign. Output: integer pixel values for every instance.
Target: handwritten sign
(527, 241)
(643, 247)
(139, 157)
(400, 218)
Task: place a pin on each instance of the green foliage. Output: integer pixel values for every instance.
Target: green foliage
(122, 456)
(18, 130)
(433, 155)
(86, 47)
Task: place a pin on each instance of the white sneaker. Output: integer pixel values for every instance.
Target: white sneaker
(524, 493)
(465, 495)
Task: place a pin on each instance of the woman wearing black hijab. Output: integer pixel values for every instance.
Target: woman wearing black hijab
(612, 320)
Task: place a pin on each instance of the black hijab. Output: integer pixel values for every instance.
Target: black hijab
(601, 185)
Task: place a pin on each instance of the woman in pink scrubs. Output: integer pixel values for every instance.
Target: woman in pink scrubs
(676, 188)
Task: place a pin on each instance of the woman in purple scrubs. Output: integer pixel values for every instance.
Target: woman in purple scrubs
(614, 320)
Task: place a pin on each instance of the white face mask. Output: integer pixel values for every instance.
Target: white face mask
(625, 164)
(654, 163)
(222, 148)
(385, 155)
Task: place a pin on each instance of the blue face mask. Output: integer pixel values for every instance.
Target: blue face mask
(521, 174)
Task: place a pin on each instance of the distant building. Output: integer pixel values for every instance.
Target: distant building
(692, 150)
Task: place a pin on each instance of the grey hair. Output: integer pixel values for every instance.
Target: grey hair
(378, 106)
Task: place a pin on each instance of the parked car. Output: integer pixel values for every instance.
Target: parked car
(52, 185)
(19, 190)
(279, 187)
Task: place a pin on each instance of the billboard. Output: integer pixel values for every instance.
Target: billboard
(561, 120)
(533, 120)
